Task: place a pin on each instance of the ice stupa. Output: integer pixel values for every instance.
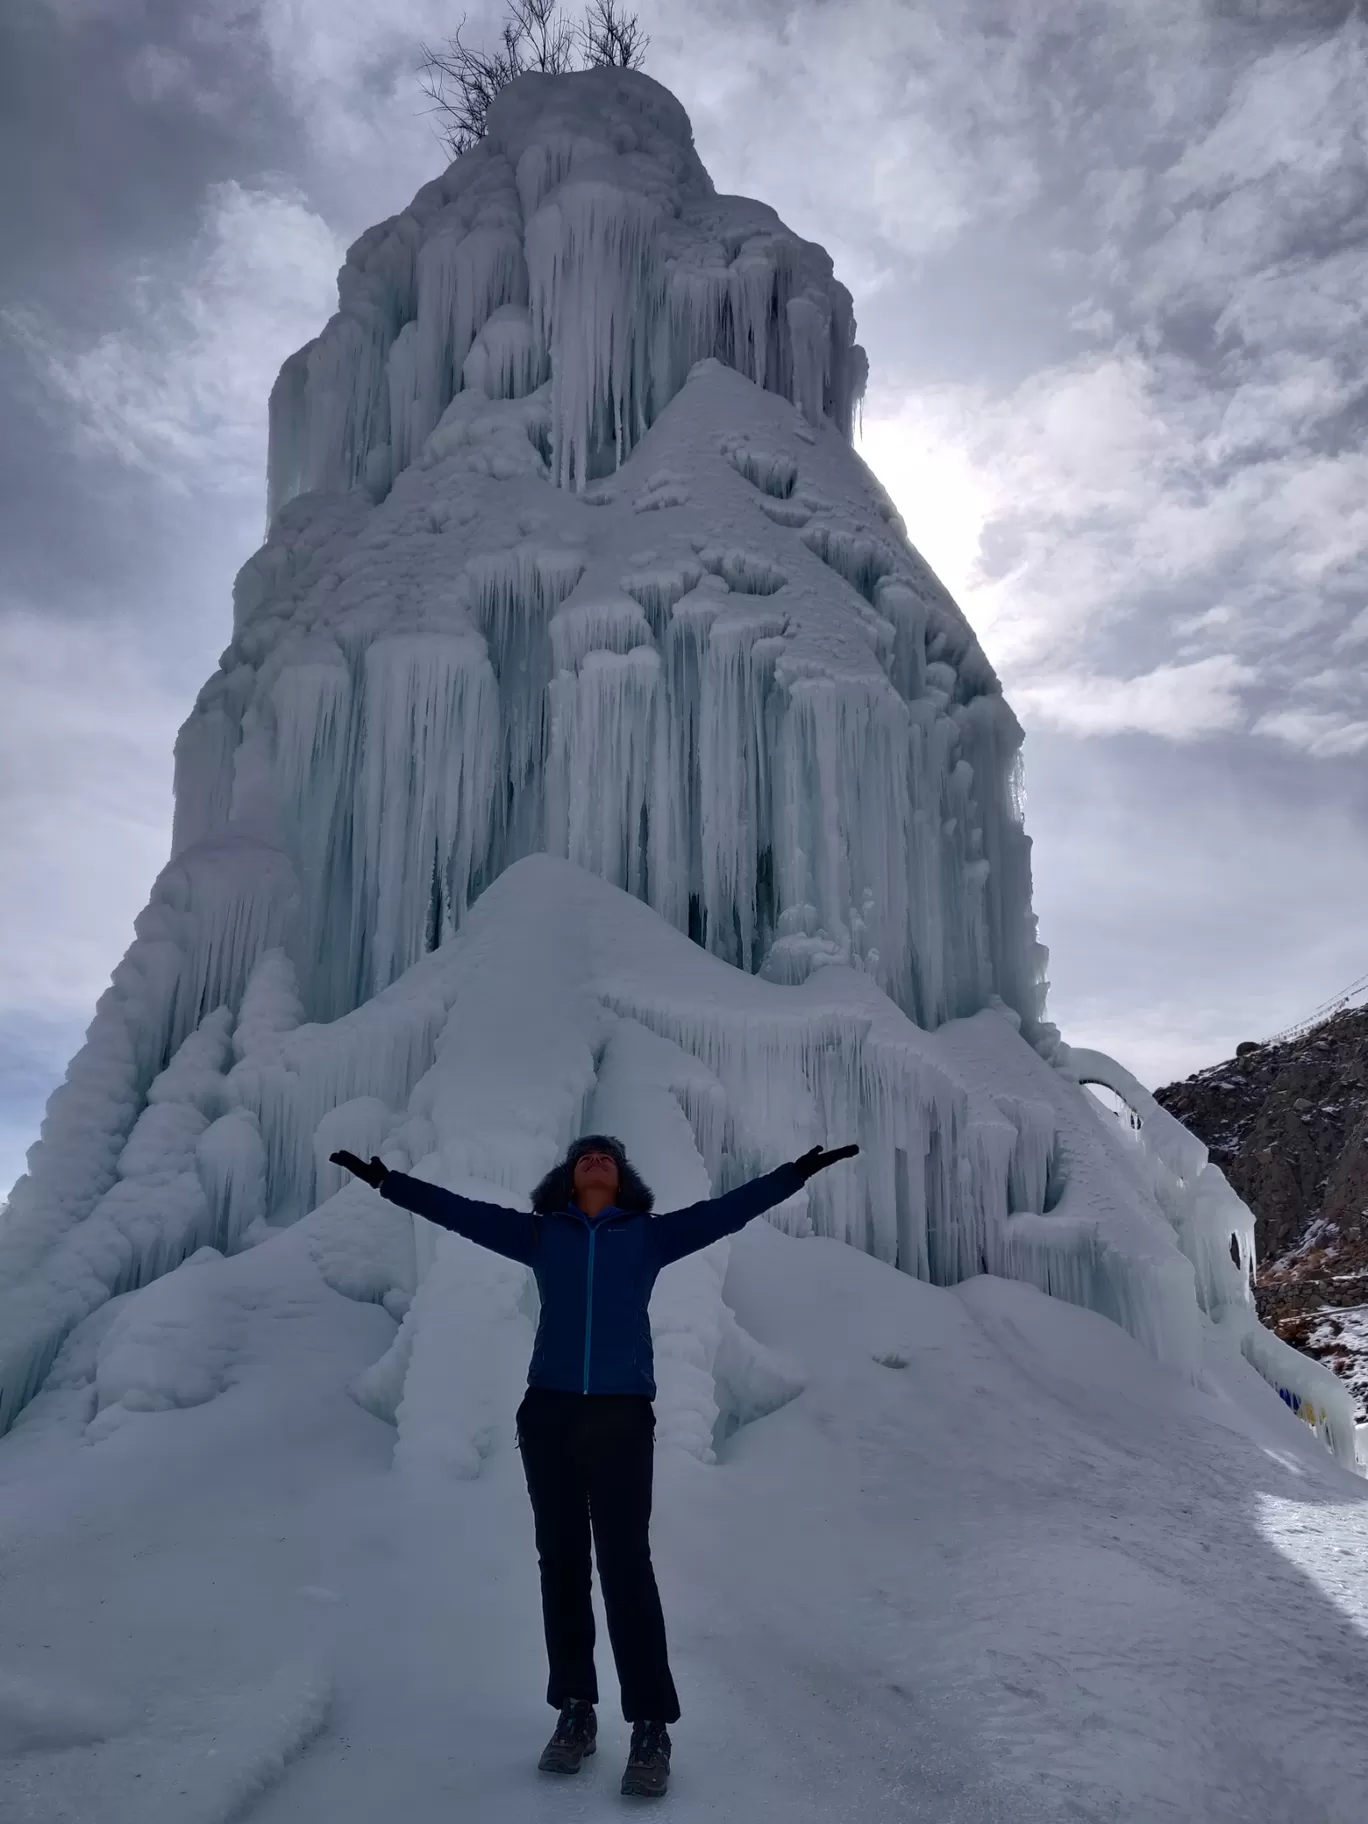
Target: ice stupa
(593, 746)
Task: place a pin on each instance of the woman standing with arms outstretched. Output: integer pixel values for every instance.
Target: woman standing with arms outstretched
(586, 1427)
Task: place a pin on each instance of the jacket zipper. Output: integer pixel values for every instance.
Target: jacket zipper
(589, 1302)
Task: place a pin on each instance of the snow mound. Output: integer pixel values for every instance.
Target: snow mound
(563, 1004)
(201, 1758)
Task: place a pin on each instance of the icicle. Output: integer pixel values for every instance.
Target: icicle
(513, 597)
(465, 273)
(595, 284)
(504, 361)
(591, 619)
(270, 1007)
(599, 764)
(656, 592)
(348, 401)
(312, 783)
(195, 1075)
(990, 739)
(907, 612)
(401, 370)
(231, 1162)
(676, 876)
(433, 368)
(1033, 1155)
(490, 272)
(736, 734)
(696, 324)
(428, 742)
(752, 282)
(548, 162)
(292, 1078)
(810, 337)
(849, 366)
(863, 561)
(846, 744)
(288, 432)
(234, 896)
(775, 475)
(205, 750)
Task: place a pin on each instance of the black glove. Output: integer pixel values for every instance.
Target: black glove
(817, 1161)
(374, 1174)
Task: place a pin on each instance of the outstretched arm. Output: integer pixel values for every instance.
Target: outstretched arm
(508, 1232)
(681, 1232)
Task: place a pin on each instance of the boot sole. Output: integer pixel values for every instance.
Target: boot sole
(638, 1789)
(549, 1765)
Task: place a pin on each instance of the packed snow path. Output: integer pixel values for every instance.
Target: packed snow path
(991, 1562)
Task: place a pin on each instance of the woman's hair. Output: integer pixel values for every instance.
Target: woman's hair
(557, 1190)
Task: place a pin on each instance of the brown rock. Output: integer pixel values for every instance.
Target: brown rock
(1288, 1125)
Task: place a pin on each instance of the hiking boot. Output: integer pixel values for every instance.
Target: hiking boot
(576, 1728)
(648, 1763)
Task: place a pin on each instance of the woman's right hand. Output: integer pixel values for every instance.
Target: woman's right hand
(374, 1173)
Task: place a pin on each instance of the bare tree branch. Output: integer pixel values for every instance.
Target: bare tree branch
(461, 81)
(546, 37)
(611, 36)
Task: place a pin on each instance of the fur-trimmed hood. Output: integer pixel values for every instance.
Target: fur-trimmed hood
(557, 1190)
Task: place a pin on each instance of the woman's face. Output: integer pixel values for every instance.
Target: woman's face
(596, 1172)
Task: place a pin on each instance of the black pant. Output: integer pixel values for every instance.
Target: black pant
(588, 1460)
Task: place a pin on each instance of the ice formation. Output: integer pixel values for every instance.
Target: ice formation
(592, 745)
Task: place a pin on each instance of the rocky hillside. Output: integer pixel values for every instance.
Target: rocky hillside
(1288, 1124)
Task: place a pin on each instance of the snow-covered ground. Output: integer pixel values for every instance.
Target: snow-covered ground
(991, 1561)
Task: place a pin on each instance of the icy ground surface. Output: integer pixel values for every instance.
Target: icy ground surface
(991, 1562)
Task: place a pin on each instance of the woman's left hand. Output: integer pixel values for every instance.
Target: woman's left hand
(816, 1160)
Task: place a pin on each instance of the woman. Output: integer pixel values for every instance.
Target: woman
(586, 1427)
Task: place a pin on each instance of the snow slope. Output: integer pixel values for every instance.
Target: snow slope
(983, 1560)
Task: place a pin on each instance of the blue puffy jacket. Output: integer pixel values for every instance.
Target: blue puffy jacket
(594, 1273)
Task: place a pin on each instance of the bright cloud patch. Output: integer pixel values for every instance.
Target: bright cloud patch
(181, 383)
(1178, 702)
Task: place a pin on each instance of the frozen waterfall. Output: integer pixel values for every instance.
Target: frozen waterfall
(592, 744)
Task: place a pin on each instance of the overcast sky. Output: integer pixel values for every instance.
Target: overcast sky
(1110, 261)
